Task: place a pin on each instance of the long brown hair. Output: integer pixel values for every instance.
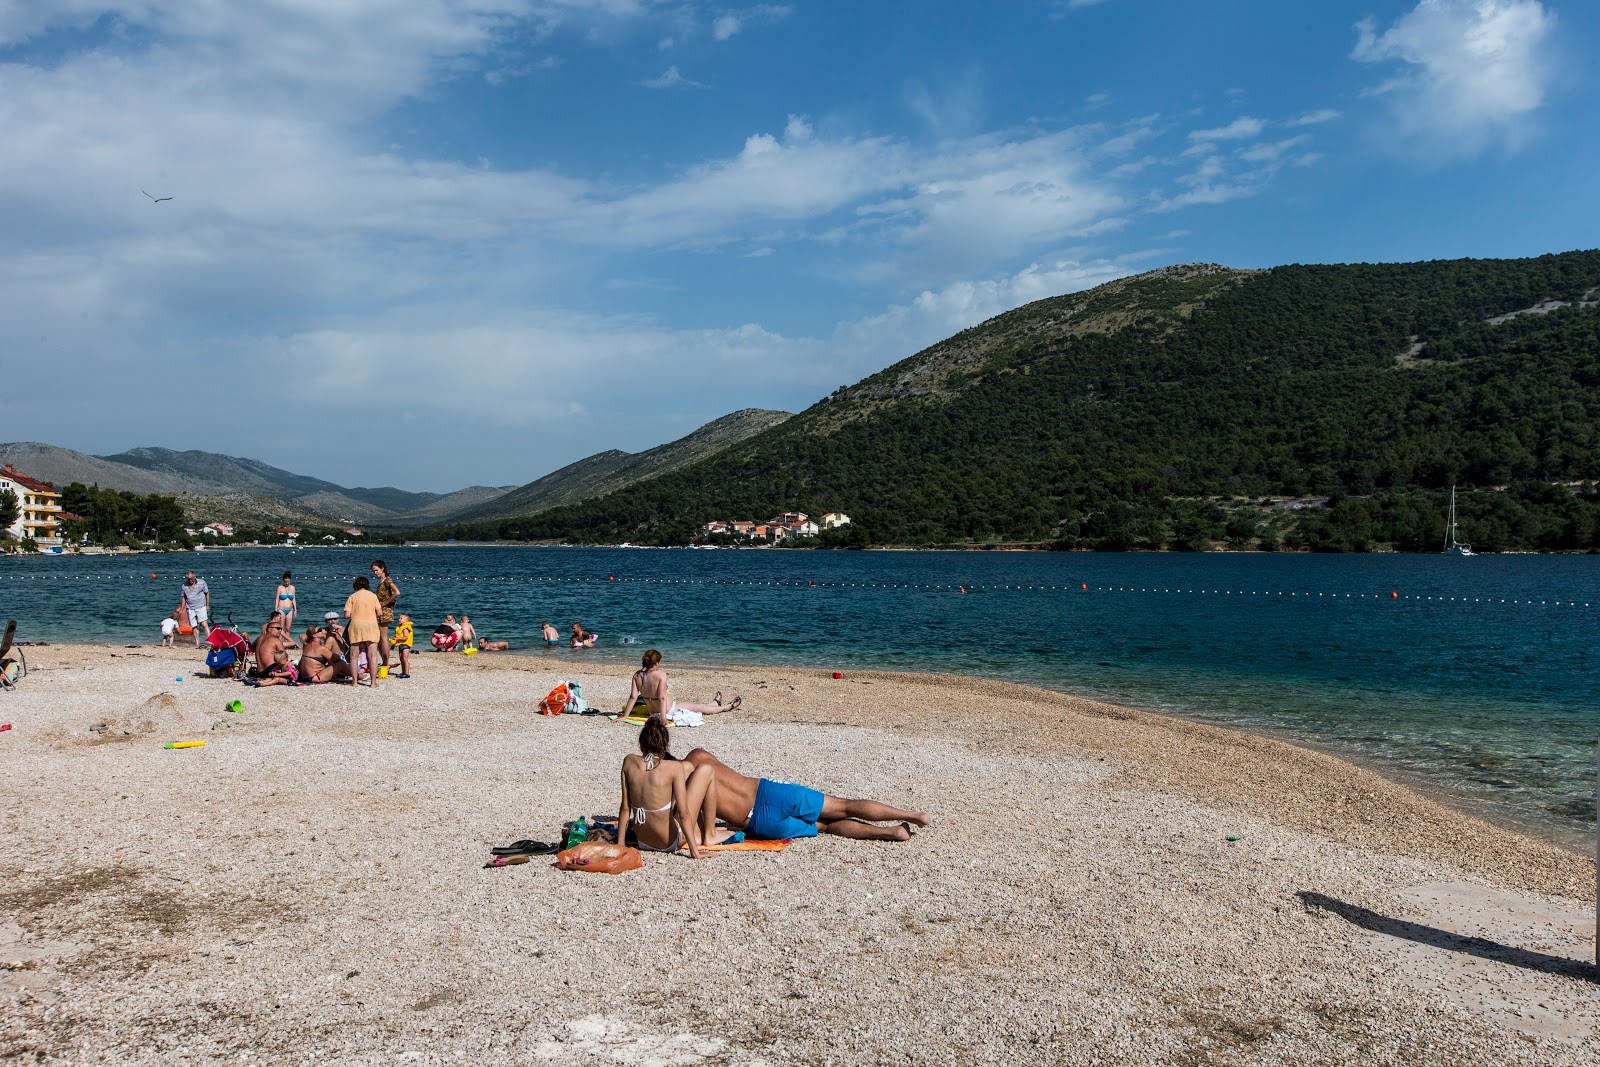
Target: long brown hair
(654, 740)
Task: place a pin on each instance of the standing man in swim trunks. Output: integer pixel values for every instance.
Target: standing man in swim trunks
(769, 810)
(195, 602)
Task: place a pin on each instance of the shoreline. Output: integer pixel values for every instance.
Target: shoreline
(310, 883)
(1396, 774)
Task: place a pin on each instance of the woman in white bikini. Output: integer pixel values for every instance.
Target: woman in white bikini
(651, 693)
(667, 804)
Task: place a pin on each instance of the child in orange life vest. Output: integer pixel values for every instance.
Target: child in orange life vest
(401, 642)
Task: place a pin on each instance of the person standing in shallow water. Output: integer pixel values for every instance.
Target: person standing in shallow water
(388, 595)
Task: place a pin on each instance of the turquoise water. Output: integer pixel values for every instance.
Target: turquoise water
(1476, 678)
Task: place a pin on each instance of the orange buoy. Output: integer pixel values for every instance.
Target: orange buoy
(611, 577)
(152, 574)
(1394, 596)
(1083, 585)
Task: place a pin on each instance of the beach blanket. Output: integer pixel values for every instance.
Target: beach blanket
(750, 846)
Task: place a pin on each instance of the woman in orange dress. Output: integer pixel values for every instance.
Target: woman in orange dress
(362, 610)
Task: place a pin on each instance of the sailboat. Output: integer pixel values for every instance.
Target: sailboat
(1452, 547)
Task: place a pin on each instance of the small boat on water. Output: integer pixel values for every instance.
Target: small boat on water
(1452, 547)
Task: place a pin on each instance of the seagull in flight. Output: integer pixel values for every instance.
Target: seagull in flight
(157, 199)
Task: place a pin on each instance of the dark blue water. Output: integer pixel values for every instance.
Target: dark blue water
(1477, 677)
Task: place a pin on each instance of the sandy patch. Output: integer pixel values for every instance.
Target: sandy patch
(311, 883)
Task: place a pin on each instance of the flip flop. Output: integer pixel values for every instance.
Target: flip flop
(526, 847)
(734, 706)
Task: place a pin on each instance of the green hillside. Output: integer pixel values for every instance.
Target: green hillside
(607, 472)
(1177, 408)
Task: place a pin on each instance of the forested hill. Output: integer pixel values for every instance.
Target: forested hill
(1176, 408)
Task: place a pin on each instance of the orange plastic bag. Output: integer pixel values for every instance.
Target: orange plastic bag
(557, 701)
(597, 857)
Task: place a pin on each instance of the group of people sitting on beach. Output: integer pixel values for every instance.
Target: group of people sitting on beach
(668, 804)
(333, 651)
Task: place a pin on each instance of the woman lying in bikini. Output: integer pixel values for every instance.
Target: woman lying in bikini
(666, 803)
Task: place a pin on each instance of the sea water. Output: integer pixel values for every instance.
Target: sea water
(1471, 674)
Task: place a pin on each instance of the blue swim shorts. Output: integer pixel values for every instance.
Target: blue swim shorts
(784, 810)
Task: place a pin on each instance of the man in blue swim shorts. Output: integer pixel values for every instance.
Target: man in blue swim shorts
(770, 810)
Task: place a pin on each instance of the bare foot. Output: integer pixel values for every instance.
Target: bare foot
(902, 832)
(918, 818)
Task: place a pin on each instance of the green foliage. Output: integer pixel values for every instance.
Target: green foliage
(112, 516)
(1120, 418)
(10, 510)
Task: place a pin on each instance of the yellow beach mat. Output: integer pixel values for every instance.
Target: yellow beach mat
(750, 846)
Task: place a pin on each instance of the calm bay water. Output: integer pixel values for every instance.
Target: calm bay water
(1476, 679)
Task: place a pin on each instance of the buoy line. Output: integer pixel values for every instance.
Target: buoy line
(810, 583)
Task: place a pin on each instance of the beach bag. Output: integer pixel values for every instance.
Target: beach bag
(221, 661)
(598, 857)
(556, 702)
(576, 705)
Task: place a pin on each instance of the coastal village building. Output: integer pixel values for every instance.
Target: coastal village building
(38, 508)
(789, 524)
(835, 519)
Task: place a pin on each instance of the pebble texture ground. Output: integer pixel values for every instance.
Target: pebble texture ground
(309, 886)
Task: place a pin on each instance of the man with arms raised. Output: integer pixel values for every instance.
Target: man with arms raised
(774, 811)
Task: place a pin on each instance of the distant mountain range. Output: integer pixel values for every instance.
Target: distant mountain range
(610, 471)
(230, 488)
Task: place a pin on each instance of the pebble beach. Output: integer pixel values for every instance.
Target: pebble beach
(1098, 886)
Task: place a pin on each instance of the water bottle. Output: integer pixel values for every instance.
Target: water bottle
(579, 833)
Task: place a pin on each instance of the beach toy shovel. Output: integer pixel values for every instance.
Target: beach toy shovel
(236, 707)
(184, 744)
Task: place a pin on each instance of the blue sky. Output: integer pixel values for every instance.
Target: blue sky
(432, 243)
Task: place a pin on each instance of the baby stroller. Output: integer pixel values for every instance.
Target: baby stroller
(230, 653)
(12, 668)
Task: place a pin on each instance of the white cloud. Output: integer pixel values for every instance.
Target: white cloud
(671, 79)
(1237, 130)
(297, 240)
(1313, 118)
(1267, 151)
(729, 23)
(1472, 72)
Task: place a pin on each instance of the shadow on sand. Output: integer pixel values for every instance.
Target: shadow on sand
(1481, 947)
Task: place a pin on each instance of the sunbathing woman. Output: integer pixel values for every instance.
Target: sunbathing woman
(667, 803)
(651, 693)
(319, 658)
